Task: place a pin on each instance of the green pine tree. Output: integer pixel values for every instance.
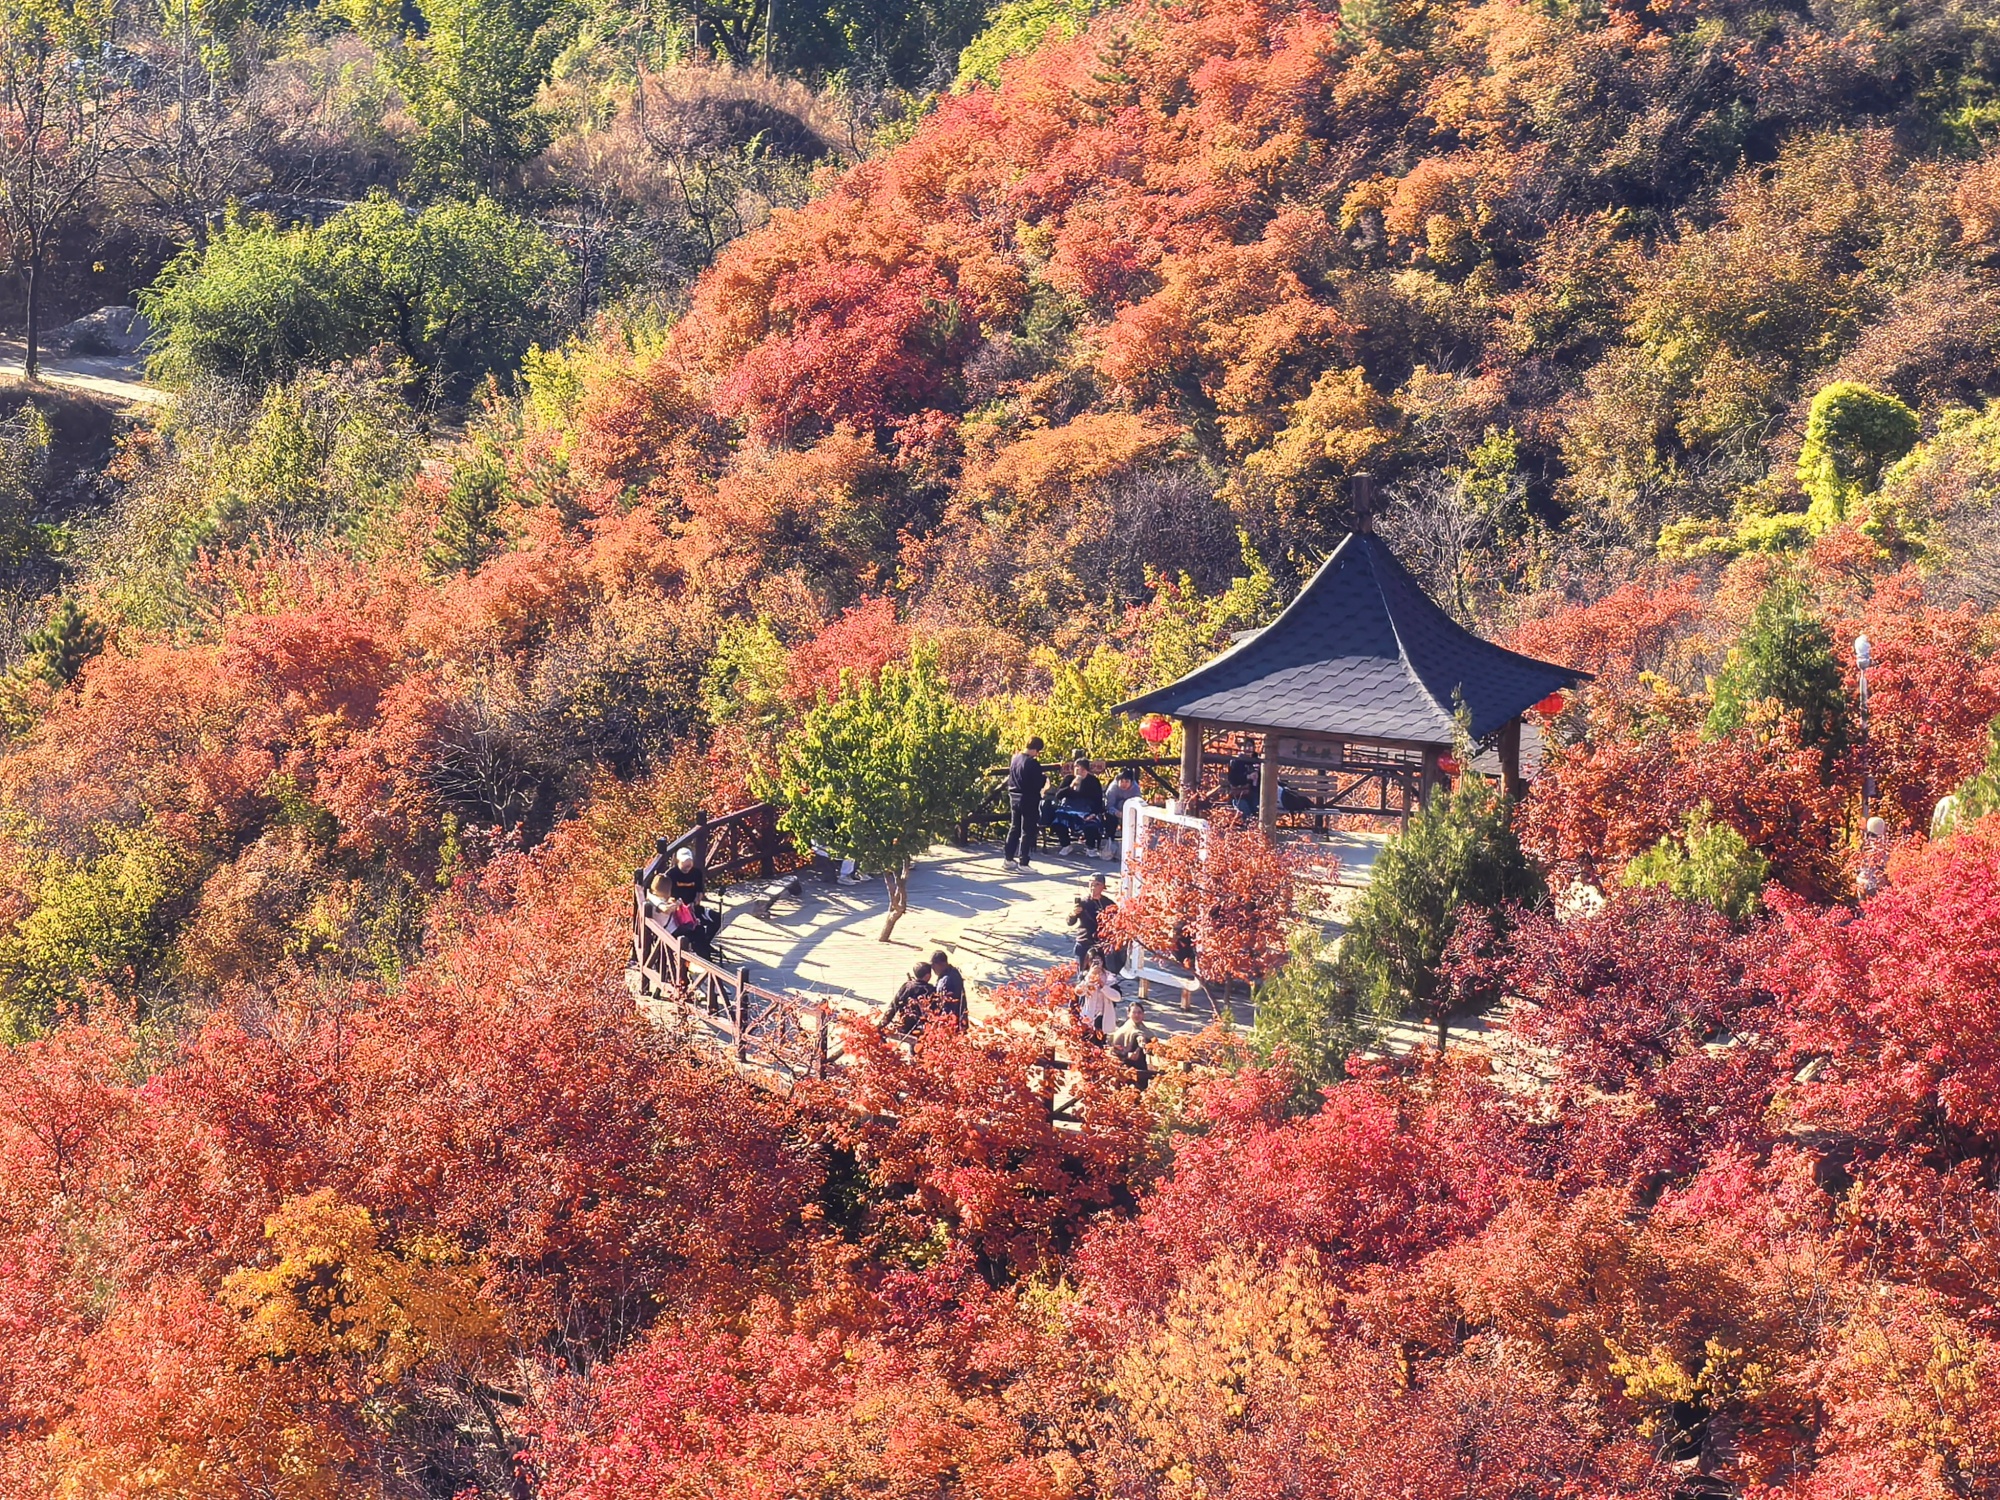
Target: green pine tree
(1786, 656)
(1459, 852)
(1311, 1011)
(68, 639)
(468, 524)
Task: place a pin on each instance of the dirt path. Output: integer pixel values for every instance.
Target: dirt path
(116, 376)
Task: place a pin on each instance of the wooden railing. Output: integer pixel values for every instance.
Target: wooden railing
(742, 845)
(1158, 776)
(791, 1034)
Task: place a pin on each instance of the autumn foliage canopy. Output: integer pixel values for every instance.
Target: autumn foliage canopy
(336, 1162)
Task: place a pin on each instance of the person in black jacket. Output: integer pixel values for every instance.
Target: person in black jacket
(1086, 915)
(1025, 780)
(911, 1006)
(1081, 807)
(1245, 770)
(950, 985)
(683, 883)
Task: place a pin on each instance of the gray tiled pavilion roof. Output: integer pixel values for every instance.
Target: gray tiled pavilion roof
(1361, 651)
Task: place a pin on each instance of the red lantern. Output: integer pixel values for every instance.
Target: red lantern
(1552, 705)
(1156, 730)
(1448, 764)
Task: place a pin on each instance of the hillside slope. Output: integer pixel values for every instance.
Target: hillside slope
(1182, 273)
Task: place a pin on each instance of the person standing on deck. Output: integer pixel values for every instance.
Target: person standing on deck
(1025, 780)
(1245, 771)
(1087, 917)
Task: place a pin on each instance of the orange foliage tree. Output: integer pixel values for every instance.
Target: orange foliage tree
(1008, 1138)
(1224, 896)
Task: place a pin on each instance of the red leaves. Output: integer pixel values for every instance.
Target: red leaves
(1932, 691)
(311, 673)
(1663, 1046)
(851, 341)
(1599, 804)
(1629, 631)
(961, 1135)
(641, 434)
(864, 640)
(1482, 1427)
(173, 1403)
(1228, 892)
(1904, 1001)
(64, 1101)
(1379, 1175)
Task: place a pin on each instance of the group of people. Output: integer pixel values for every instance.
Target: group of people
(935, 991)
(1099, 964)
(678, 886)
(1077, 808)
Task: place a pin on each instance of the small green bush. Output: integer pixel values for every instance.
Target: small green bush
(1979, 796)
(1016, 29)
(107, 921)
(459, 291)
(884, 771)
(1710, 862)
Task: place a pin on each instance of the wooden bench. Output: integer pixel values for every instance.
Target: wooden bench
(778, 890)
(1187, 984)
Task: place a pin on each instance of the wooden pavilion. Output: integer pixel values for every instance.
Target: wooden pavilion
(1351, 693)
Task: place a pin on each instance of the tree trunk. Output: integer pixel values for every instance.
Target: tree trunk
(899, 898)
(31, 366)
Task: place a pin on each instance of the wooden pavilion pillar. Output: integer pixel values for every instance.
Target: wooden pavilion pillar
(1267, 785)
(1509, 751)
(1191, 731)
(1432, 776)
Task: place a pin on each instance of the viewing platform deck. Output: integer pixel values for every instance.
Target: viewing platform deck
(998, 924)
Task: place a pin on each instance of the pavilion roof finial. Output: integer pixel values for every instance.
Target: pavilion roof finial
(1363, 492)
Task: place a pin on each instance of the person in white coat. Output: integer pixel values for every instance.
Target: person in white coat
(1097, 997)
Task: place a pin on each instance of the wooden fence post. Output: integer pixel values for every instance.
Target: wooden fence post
(741, 1018)
(639, 925)
(1190, 760)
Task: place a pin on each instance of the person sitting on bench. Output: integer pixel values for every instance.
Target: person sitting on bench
(1245, 772)
(1077, 809)
(950, 985)
(683, 884)
(1128, 1044)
